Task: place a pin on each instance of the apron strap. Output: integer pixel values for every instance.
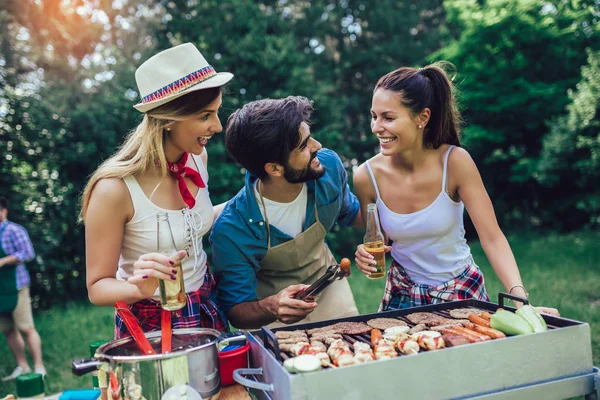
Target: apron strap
(262, 200)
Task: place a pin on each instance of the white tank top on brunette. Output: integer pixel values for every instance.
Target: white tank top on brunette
(430, 243)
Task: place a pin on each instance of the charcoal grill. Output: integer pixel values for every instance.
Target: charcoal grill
(556, 364)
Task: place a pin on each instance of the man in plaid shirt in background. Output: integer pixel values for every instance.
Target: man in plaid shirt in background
(15, 250)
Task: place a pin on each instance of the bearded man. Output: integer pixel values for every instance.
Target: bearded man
(268, 243)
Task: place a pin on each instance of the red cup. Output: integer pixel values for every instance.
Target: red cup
(231, 360)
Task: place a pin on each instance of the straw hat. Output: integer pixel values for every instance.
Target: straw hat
(173, 73)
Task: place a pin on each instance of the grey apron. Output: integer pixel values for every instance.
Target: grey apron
(304, 259)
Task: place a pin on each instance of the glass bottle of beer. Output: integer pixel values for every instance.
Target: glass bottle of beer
(172, 292)
(373, 241)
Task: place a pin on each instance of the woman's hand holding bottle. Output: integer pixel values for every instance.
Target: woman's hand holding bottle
(365, 261)
(151, 267)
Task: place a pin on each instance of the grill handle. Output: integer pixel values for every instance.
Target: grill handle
(503, 296)
(271, 343)
(249, 383)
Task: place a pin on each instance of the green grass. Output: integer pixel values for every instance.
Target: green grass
(560, 271)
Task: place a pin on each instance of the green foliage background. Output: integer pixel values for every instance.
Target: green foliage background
(527, 70)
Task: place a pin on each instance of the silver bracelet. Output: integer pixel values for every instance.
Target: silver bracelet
(522, 287)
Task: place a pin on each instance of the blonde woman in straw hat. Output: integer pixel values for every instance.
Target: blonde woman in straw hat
(159, 172)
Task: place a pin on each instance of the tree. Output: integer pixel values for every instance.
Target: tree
(516, 60)
(570, 156)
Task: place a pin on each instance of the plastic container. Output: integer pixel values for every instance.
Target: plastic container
(30, 386)
(231, 360)
(93, 347)
(80, 394)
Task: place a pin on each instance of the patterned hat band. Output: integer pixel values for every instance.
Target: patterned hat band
(181, 84)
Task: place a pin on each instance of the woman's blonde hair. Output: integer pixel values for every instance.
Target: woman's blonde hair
(143, 147)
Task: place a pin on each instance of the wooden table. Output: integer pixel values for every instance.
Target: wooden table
(234, 392)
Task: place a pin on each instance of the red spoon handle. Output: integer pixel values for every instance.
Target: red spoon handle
(133, 326)
(166, 331)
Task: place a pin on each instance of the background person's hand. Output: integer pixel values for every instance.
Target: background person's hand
(151, 267)
(548, 311)
(290, 310)
(365, 261)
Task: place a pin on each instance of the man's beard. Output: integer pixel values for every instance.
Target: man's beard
(306, 174)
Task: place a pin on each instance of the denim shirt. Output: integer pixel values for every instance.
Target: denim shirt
(239, 235)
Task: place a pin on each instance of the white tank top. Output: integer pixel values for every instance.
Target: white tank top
(189, 226)
(430, 243)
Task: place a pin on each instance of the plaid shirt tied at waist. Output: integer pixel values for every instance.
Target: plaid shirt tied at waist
(402, 292)
(199, 312)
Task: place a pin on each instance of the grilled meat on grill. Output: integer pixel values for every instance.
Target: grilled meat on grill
(382, 348)
(426, 318)
(384, 323)
(417, 328)
(462, 313)
(454, 340)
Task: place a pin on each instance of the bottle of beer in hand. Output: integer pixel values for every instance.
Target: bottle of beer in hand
(373, 241)
(172, 292)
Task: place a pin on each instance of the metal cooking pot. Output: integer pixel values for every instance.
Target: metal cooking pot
(194, 362)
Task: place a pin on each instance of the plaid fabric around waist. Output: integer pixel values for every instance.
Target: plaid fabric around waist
(402, 292)
(199, 312)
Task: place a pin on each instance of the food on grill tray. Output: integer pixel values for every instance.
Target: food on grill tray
(486, 315)
(533, 317)
(479, 321)
(347, 328)
(407, 346)
(429, 319)
(363, 352)
(462, 313)
(393, 332)
(453, 340)
(493, 333)
(391, 336)
(382, 348)
(428, 340)
(510, 323)
(384, 323)
(288, 334)
(340, 353)
(302, 363)
(471, 336)
(418, 328)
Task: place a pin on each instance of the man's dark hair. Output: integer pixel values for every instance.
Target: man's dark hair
(266, 131)
(3, 203)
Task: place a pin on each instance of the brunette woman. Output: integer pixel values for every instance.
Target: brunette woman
(422, 180)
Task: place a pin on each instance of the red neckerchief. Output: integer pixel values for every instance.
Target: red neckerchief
(179, 171)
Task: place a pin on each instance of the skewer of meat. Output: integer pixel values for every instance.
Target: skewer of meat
(382, 348)
(340, 353)
(315, 348)
(407, 346)
(363, 352)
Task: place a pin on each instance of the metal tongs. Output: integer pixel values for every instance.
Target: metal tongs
(334, 272)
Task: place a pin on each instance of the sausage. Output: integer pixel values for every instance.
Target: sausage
(493, 333)
(479, 321)
(470, 337)
(453, 340)
(469, 331)
(486, 315)
(376, 336)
